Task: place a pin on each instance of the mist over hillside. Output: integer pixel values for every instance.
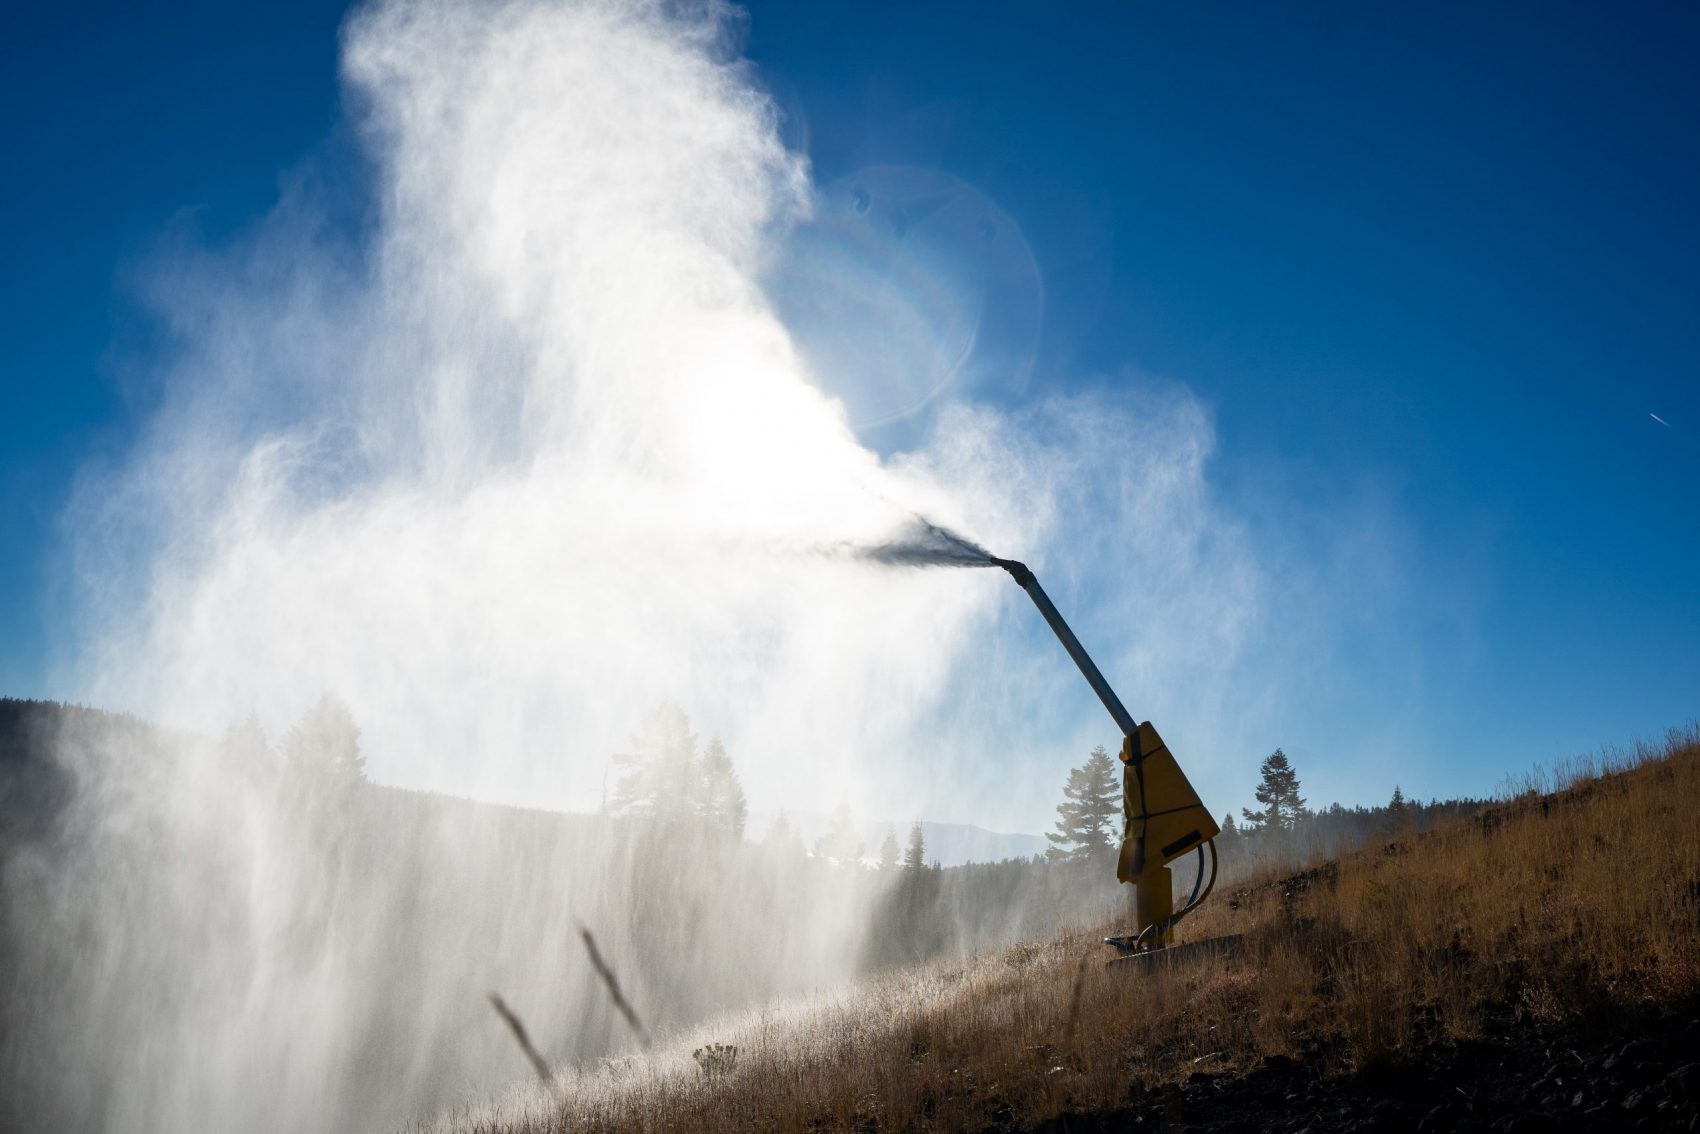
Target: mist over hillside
(277, 877)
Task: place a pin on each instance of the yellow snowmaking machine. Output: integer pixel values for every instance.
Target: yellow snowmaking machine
(1162, 816)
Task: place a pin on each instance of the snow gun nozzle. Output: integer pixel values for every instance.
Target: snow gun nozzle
(1017, 571)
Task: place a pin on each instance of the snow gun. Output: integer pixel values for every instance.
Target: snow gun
(1162, 816)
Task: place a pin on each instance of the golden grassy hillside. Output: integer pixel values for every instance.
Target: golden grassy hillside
(1578, 903)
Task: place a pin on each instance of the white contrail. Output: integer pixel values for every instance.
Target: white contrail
(1660, 420)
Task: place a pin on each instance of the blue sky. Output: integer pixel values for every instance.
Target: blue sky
(1444, 261)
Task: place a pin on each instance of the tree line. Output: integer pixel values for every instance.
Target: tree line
(667, 778)
(1283, 827)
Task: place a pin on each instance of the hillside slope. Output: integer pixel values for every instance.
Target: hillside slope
(1535, 967)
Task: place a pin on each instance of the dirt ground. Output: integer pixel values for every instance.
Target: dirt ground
(1628, 1075)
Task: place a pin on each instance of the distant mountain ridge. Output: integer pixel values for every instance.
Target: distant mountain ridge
(948, 844)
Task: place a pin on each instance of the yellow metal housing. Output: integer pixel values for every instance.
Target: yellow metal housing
(1163, 818)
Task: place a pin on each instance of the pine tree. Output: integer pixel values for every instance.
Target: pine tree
(1278, 791)
(907, 922)
(840, 843)
(1089, 817)
(1398, 811)
(323, 747)
(915, 855)
(663, 778)
(888, 852)
(722, 803)
(1229, 827)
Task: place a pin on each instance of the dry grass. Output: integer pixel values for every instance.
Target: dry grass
(1579, 902)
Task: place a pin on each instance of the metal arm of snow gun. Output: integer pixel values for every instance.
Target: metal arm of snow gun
(1162, 816)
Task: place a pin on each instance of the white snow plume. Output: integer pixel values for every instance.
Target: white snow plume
(513, 485)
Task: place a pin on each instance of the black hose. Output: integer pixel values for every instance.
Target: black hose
(1161, 928)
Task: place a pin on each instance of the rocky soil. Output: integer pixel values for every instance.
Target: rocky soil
(1631, 1075)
